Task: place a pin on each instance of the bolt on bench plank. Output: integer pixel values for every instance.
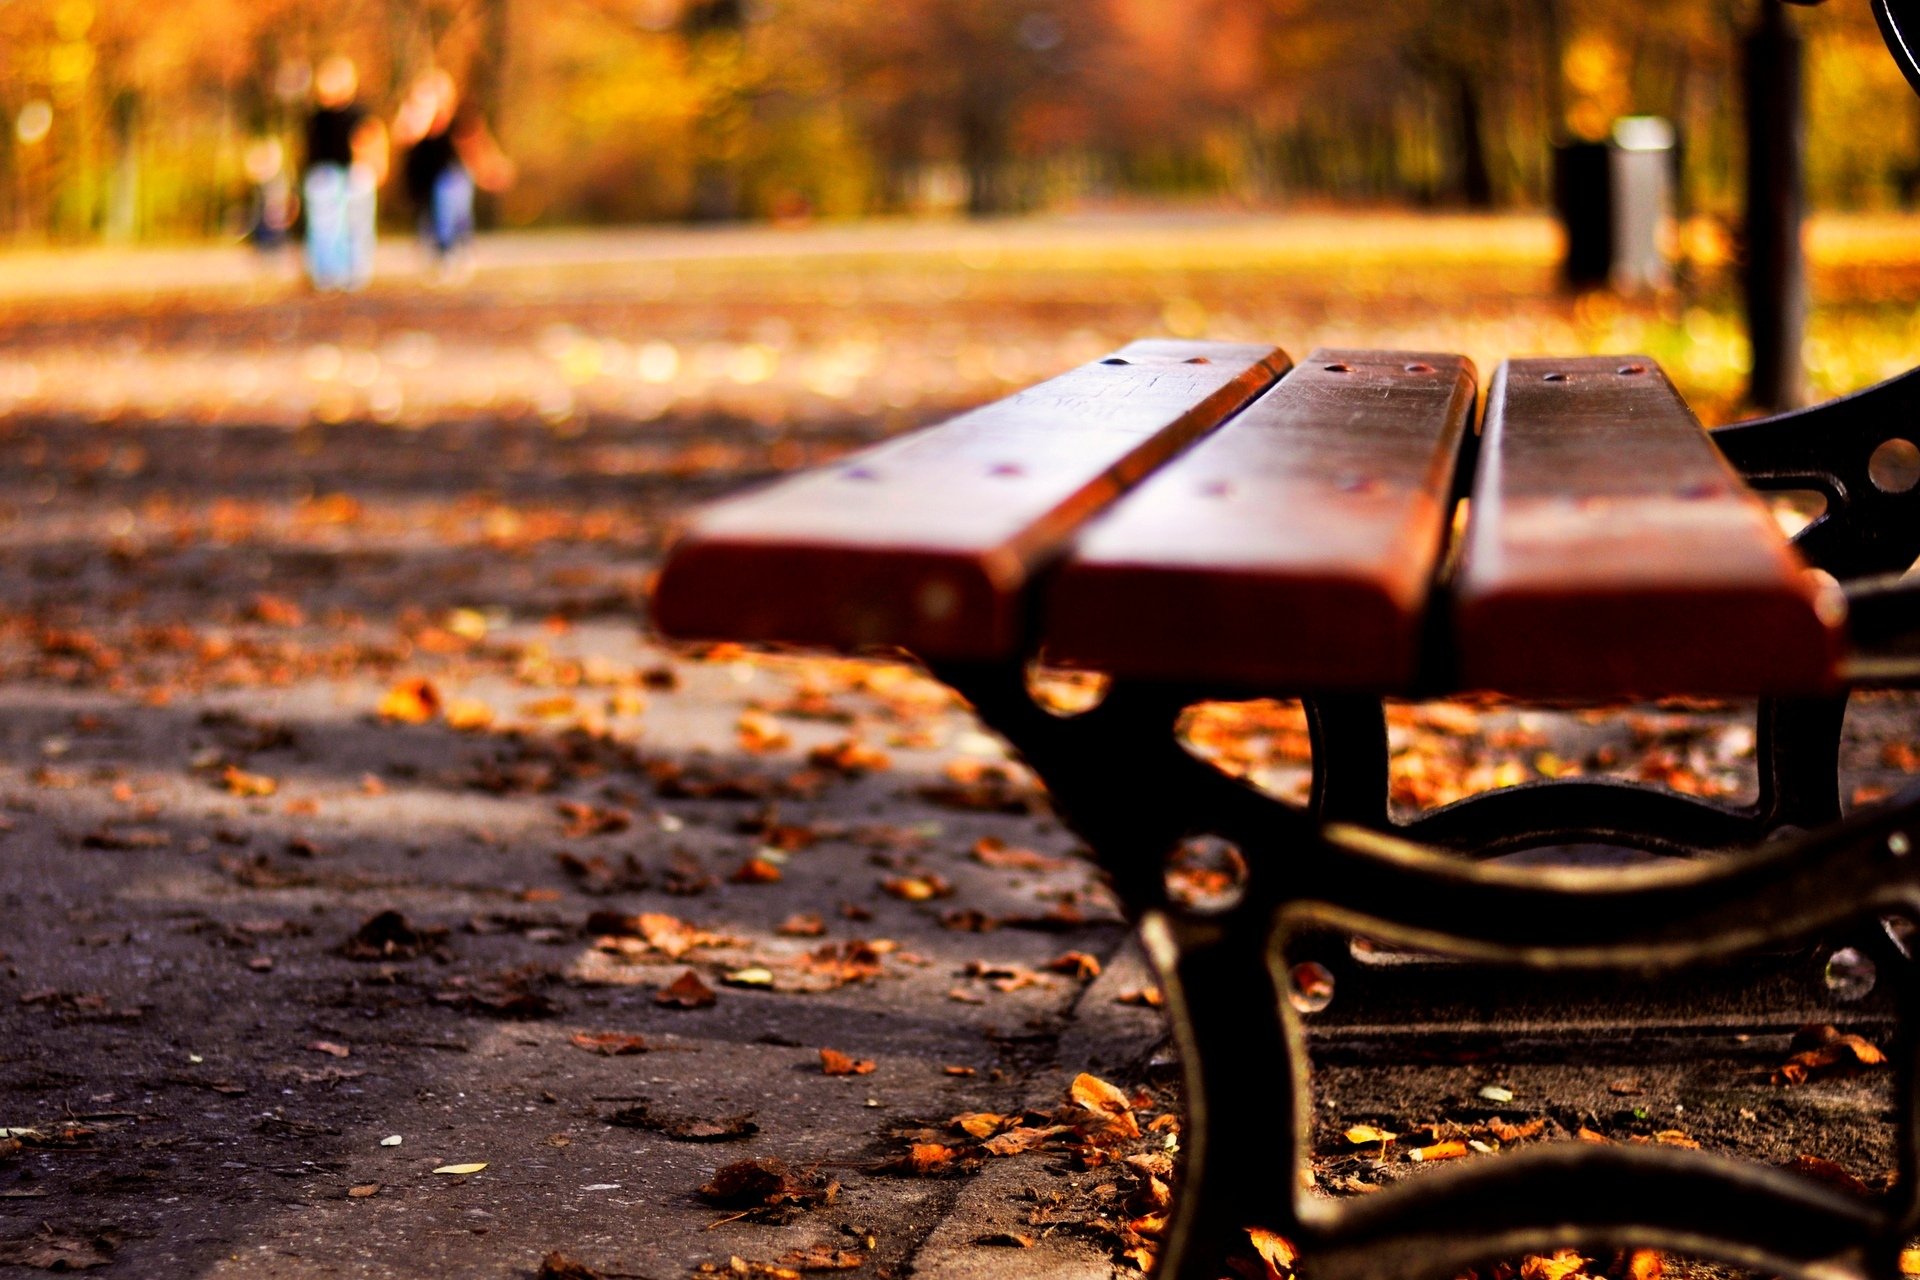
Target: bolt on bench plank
(928, 542)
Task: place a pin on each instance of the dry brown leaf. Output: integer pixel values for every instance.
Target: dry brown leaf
(1560, 1266)
(608, 1044)
(1275, 1251)
(1076, 964)
(1107, 1103)
(1022, 1140)
(822, 1257)
(755, 871)
(1516, 1132)
(688, 991)
(978, 1124)
(835, 1063)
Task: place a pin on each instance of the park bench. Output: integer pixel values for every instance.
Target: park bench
(1209, 521)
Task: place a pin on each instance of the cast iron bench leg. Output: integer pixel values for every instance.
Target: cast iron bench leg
(1119, 776)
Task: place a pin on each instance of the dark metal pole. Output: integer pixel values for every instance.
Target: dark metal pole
(1776, 271)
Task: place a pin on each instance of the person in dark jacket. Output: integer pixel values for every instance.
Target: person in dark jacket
(450, 153)
(346, 162)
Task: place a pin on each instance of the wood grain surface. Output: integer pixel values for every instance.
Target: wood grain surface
(929, 542)
(1612, 551)
(1294, 549)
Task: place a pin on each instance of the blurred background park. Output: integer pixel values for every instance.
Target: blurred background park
(133, 121)
(877, 210)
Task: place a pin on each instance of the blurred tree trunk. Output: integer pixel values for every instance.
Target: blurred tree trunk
(1470, 141)
(1776, 269)
(715, 31)
(986, 146)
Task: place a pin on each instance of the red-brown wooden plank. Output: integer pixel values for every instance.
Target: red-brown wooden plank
(928, 542)
(1612, 551)
(1295, 548)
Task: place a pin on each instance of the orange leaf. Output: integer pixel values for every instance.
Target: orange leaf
(835, 1063)
(413, 701)
(688, 991)
(608, 1044)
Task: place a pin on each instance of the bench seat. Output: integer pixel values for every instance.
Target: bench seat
(1296, 546)
(1612, 548)
(1202, 513)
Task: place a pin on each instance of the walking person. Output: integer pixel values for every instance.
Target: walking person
(450, 153)
(346, 163)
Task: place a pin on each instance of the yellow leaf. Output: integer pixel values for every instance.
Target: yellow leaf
(469, 715)
(1910, 1262)
(1365, 1135)
(1276, 1251)
(468, 624)
(461, 1168)
(410, 702)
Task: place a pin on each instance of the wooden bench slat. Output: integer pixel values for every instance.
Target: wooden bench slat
(1611, 550)
(1295, 548)
(928, 542)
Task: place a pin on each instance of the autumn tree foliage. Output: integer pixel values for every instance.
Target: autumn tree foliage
(126, 119)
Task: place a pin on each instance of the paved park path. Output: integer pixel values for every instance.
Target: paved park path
(351, 829)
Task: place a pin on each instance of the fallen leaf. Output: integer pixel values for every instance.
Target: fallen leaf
(1076, 964)
(755, 871)
(685, 1128)
(560, 1266)
(1826, 1171)
(1107, 1104)
(1274, 1250)
(364, 1191)
(1365, 1135)
(469, 715)
(461, 1170)
(1825, 1051)
(978, 1124)
(330, 1048)
(1005, 1240)
(688, 991)
(1516, 1132)
(608, 1044)
(413, 701)
(765, 1184)
(391, 936)
(835, 1063)
(802, 926)
(1560, 1266)
(852, 758)
(246, 785)
(925, 1160)
(992, 852)
(822, 1257)
(1019, 1141)
(51, 1251)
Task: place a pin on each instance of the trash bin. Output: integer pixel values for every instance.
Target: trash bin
(1614, 199)
(1643, 183)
